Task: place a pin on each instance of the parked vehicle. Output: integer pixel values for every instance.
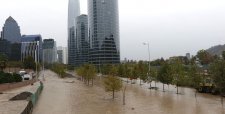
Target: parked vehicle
(27, 77)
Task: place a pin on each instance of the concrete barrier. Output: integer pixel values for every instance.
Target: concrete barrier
(33, 100)
(9, 86)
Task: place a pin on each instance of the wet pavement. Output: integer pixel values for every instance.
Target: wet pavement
(59, 97)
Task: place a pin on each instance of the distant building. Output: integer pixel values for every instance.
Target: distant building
(73, 13)
(81, 41)
(49, 51)
(62, 55)
(103, 20)
(188, 55)
(10, 43)
(11, 31)
(31, 46)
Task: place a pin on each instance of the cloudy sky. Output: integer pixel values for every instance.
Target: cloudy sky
(172, 27)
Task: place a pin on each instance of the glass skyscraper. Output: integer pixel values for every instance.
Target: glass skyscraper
(104, 32)
(73, 13)
(82, 41)
(49, 51)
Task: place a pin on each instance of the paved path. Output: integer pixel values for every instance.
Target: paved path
(15, 107)
(55, 96)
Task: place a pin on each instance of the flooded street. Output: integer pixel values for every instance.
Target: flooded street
(59, 97)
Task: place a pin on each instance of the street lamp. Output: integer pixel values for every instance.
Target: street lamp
(146, 43)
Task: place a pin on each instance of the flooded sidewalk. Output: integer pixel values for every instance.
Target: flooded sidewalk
(60, 96)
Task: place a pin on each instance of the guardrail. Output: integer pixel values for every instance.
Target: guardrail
(33, 100)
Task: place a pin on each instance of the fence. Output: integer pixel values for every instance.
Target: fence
(33, 100)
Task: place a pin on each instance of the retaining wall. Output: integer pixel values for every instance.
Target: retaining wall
(8, 86)
(33, 100)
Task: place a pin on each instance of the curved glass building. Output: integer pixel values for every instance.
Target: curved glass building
(104, 31)
(73, 13)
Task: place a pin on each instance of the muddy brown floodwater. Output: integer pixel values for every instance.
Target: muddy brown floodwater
(59, 97)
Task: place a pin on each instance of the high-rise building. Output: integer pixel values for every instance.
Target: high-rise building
(11, 31)
(82, 42)
(103, 20)
(31, 46)
(11, 40)
(62, 55)
(73, 13)
(49, 51)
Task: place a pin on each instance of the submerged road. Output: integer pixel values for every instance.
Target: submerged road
(71, 96)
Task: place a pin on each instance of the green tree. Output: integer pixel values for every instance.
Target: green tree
(112, 84)
(223, 55)
(87, 72)
(178, 74)
(142, 71)
(59, 69)
(29, 63)
(164, 75)
(3, 61)
(218, 74)
(204, 57)
(153, 75)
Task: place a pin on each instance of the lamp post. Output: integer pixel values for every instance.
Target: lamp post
(149, 65)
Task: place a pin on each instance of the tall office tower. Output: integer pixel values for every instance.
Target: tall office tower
(82, 42)
(49, 51)
(103, 20)
(73, 13)
(31, 46)
(62, 55)
(11, 31)
(12, 37)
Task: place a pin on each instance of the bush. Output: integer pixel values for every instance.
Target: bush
(9, 78)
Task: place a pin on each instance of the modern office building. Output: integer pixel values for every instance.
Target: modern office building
(11, 31)
(49, 51)
(31, 46)
(10, 43)
(81, 41)
(103, 20)
(73, 13)
(62, 55)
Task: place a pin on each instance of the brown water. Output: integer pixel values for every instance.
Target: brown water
(77, 98)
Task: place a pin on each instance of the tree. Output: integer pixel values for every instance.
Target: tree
(29, 63)
(223, 55)
(142, 71)
(164, 75)
(204, 57)
(177, 73)
(218, 74)
(87, 72)
(153, 74)
(3, 61)
(59, 69)
(112, 84)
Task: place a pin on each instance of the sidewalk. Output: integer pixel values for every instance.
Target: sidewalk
(15, 107)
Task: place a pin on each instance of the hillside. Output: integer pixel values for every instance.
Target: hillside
(216, 50)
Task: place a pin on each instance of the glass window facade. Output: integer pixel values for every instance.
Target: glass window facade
(104, 32)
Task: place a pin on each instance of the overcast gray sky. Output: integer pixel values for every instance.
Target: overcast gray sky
(173, 27)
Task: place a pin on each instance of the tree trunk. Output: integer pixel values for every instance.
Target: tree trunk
(92, 82)
(124, 91)
(163, 88)
(140, 81)
(177, 88)
(196, 95)
(150, 85)
(127, 79)
(155, 84)
(113, 93)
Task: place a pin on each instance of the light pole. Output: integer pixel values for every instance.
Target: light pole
(149, 65)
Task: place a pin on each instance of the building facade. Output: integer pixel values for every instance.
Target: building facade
(11, 31)
(73, 13)
(103, 20)
(49, 51)
(11, 40)
(31, 46)
(62, 53)
(82, 41)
